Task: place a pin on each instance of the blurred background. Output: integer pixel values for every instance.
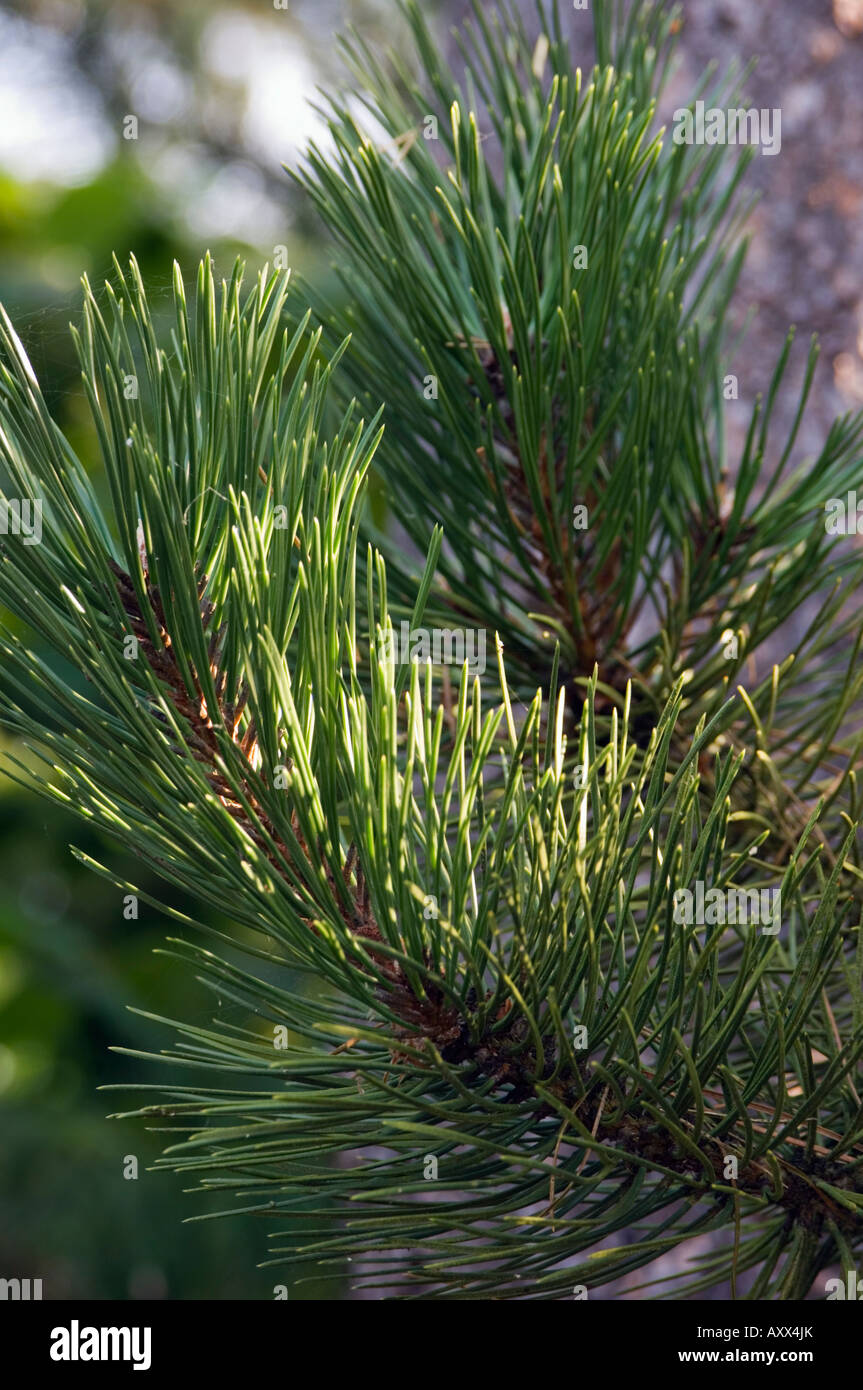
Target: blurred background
(221, 95)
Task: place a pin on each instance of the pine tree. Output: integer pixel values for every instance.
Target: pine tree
(541, 950)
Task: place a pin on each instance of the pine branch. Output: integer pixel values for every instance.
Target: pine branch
(506, 1001)
(598, 388)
